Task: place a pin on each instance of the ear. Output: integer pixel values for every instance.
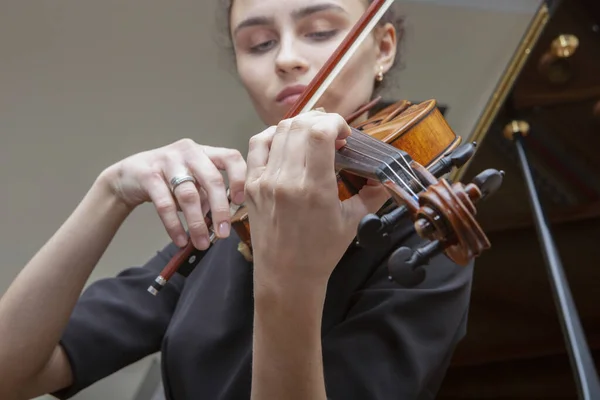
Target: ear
(386, 45)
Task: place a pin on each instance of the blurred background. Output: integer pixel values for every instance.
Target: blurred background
(85, 84)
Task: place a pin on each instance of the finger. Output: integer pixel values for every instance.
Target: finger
(212, 181)
(369, 199)
(339, 143)
(203, 199)
(189, 201)
(321, 145)
(204, 203)
(294, 162)
(277, 148)
(258, 152)
(165, 206)
(232, 162)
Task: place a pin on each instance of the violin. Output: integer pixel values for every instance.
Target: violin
(406, 147)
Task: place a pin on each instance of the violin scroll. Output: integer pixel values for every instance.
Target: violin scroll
(373, 231)
(444, 214)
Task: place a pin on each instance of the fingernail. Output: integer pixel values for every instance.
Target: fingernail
(238, 198)
(203, 243)
(181, 241)
(339, 144)
(223, 229)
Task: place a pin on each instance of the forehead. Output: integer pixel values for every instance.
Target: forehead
(244, 9)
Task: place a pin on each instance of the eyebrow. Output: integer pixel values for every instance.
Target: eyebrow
(296, 15)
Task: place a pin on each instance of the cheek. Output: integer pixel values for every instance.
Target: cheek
(253, 77)
(362, 65)
(248, 75)
(354, 85)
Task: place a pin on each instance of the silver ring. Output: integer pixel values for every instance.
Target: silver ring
(178, 180)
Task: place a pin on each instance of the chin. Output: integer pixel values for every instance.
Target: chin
(269, 118)
(339, 104)
(272, 114)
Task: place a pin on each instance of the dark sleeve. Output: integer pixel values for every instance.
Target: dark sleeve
(117, 322)
(397, 342)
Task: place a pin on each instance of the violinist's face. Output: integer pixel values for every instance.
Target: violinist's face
(280, 45)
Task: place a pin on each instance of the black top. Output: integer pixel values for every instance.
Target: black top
(380, 340)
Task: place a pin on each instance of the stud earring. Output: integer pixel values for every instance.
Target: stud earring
(379, 76)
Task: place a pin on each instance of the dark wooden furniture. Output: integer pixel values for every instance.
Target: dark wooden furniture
(514, 346)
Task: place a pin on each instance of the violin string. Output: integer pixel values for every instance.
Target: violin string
(406, 169)
(399, 179)
(372, 143)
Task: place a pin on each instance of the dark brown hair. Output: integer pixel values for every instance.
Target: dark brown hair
(392, 16)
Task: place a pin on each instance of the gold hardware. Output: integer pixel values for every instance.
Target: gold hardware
(555, 63)
(564, 46)
(515, 127)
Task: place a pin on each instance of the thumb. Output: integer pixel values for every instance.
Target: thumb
(368, 200)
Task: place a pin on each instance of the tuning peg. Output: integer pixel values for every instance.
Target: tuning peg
(373, 231)
(456, 159)
(488, 181)
(407, 267)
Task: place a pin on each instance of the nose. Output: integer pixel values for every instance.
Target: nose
(289, 60)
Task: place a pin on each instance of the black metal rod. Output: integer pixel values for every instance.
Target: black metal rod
(584, 371)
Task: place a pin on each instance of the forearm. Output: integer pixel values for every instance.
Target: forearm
(36, 307)
(287, 360)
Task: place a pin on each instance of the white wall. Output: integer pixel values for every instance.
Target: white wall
(84, 84)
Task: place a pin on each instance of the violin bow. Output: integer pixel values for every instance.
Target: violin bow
(186, 259)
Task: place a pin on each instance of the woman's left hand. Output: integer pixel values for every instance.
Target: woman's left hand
(300, 229)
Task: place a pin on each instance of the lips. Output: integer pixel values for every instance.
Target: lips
(290, 94)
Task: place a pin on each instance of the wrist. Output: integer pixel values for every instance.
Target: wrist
(105, 186)
(105, 197)
(298, 301)
(274, 270)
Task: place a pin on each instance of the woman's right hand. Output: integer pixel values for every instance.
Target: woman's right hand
(146, 177)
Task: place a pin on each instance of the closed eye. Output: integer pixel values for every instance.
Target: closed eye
(317, 36)
(262, 47)
(323, 35)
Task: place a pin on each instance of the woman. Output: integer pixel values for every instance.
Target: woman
(312, 317)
